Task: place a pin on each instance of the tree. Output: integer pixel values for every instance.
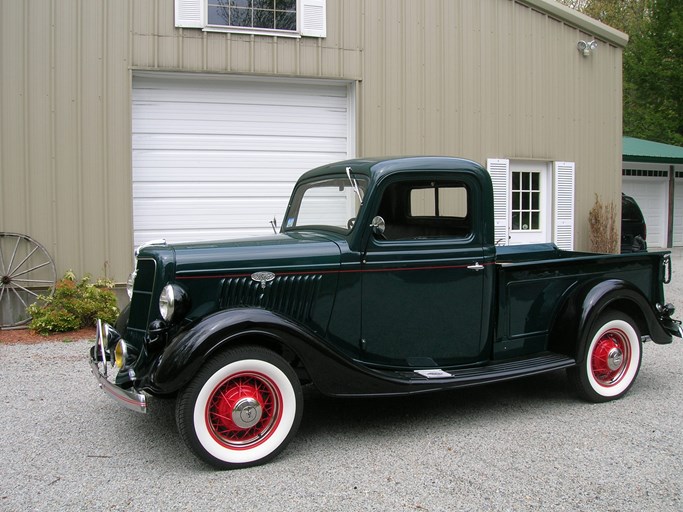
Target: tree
(653, 63)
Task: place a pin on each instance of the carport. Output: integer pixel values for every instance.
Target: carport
(652, 173)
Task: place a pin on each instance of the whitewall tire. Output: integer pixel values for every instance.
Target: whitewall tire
(241, 409)
(612, 359)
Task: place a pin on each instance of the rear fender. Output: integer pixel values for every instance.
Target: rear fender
(584, 306)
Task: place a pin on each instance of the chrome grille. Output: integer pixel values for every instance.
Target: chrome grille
(141, 303)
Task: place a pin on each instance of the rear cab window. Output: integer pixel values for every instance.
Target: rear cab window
(426, 209)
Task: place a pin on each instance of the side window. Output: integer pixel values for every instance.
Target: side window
(426, 210)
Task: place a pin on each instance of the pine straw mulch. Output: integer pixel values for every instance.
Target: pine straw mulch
(28, 337)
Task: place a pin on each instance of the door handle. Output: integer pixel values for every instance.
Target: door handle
(477, 266)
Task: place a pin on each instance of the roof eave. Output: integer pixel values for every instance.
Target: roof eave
(580, 21)
(651, 159)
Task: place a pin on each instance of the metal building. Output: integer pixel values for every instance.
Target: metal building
(123, 121)
(652, 173)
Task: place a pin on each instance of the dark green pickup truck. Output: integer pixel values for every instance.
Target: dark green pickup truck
(384, 280)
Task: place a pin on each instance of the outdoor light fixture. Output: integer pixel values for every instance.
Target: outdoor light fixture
(586, 48)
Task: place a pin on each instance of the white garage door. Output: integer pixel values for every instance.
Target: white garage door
(678, 212)
(217, 157)
(651, 194)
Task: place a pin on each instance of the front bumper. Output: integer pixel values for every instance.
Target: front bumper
(99, 364)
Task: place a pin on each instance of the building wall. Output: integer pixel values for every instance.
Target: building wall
(486, 79)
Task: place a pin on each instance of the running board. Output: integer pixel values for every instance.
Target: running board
(493, 372)
(369, 381)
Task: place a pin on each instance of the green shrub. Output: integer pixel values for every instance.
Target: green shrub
(74, 305)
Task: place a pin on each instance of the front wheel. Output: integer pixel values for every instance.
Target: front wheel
(612, 359)
(241, 409)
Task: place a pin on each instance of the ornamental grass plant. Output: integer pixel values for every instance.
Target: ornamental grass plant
(604, 237)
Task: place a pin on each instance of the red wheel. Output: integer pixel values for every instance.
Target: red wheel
(612, 359)
(241, 409)
(244, 410)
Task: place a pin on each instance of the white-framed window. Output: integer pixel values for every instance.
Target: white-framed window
(288, 18)
(533, 201)
(526, 192)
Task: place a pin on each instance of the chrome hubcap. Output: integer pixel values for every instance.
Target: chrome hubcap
(247, 412)
(615, 359)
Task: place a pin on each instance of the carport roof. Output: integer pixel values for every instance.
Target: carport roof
(639, 150)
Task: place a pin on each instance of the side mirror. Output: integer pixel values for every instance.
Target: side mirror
(378, 225)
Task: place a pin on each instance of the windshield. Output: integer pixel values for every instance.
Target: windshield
(327, 203)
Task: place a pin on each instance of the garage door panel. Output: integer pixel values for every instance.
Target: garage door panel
(267, 126)
(217, 158)
(678, 213)
(239, 143)
(275, 94)
(187, 112)
(284, 167)
(223, 167)
(218, 213)
(189, 190)
(223, 92)
(651, 195)
(199, 235)
(257, 176)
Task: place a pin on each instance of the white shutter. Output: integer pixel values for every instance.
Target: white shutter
(190, 13)
(499, 169)
(313, 14)
(564, 205)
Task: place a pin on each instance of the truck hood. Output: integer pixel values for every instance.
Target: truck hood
(284, 252)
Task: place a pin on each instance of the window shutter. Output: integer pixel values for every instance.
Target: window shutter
(564, 205)
(499, 169)
(190, 13)
(313, 14)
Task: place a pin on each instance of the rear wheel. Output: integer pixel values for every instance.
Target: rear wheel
(612, 359)
(241, 409)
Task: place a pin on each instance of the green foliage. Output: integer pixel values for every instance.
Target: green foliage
(653, 63)
(74, 305)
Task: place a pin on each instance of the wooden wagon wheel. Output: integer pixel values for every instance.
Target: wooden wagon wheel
(26, 270)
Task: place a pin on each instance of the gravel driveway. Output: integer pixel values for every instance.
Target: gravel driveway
(524, 445)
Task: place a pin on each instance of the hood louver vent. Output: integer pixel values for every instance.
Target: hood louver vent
(291, 296)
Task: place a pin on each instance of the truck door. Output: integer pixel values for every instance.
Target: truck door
(423, 276)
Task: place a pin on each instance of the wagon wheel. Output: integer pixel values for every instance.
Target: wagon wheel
(26, 270)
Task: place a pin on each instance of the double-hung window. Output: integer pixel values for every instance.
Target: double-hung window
(288, 18)
(253, 14)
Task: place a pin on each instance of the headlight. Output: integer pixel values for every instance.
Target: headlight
(173, 302)
(121, 355)
(130, 283)
(167, 302)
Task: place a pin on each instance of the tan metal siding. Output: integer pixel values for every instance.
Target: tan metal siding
(481, 79)
(65, 164)
(506, 81)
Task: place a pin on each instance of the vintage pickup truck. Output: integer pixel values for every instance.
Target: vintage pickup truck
(385, 279)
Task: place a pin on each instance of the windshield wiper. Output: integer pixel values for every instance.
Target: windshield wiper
(354, 184)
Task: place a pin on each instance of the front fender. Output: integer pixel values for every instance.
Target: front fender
(186, 353)
(583, 307)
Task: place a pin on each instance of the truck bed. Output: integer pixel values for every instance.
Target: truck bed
(534, 283)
